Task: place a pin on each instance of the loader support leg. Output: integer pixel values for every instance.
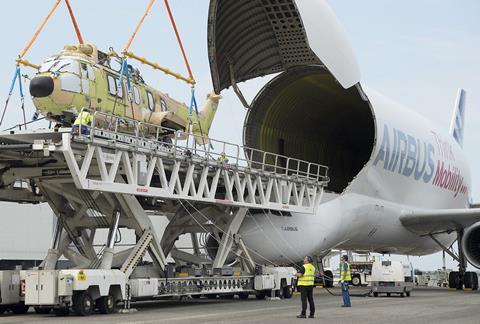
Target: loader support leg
(228, 238)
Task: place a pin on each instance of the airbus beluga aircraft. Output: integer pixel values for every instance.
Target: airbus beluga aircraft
(398, 183)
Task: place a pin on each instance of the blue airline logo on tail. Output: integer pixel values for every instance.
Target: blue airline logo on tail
(457, 127)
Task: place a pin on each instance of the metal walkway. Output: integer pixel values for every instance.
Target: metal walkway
(110, 159)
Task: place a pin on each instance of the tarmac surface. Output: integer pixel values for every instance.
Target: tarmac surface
(426, 305)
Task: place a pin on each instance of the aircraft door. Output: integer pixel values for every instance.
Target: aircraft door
(88, 81)
(115, 96)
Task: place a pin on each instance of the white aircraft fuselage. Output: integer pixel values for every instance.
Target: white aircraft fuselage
(384, 160)
(414, 165)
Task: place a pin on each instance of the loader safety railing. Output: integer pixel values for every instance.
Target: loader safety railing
(137, 134)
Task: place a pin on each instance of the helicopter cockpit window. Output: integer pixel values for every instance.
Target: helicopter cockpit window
(151, 101)
(47, 65)
(87, 71)
(60, 66)
(136, 95)
(64, 66)
(163, 105)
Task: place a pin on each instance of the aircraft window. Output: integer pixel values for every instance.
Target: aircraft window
(163, 105)
(115, 64)
(91, 74)
(113, 86)
(66, 66)
(136, 95)
(102, 58)
(46, 66)
(151, 101)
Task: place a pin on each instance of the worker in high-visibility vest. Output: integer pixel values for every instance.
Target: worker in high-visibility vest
(345, 278)
(305, 282)
(83, 122)
(223, 158)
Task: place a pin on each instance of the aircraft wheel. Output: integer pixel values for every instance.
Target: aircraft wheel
(408, 293)
(107, 304)
(454, 280)
(82, 303)
(470, 280)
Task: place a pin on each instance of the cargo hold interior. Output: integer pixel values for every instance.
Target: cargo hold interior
(304, 113)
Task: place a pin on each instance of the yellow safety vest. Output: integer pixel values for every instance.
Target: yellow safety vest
(345, 275)
(308, 278)
(83, 118)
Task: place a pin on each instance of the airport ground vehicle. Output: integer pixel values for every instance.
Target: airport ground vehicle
(10, 292)
(388, 278)
(361, 272)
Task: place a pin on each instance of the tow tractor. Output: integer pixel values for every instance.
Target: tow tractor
(116, 177)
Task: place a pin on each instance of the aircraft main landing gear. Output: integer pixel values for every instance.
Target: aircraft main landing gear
(462, 278)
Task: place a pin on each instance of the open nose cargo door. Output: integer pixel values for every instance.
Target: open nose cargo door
(253, 38)
(314, 109)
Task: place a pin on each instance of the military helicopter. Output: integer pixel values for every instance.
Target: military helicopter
(81, 76)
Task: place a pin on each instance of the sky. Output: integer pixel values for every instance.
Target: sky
(418, 52)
